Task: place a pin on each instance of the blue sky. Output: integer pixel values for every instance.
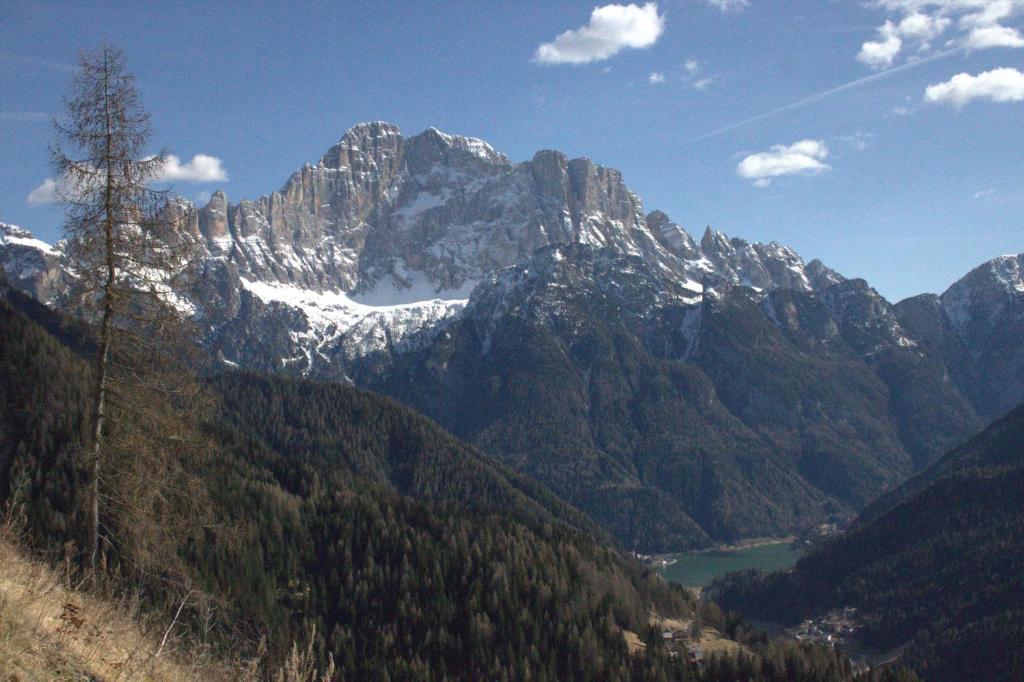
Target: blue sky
(886, 179)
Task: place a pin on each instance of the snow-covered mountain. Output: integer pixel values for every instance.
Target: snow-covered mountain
(387, 235)
(372, 249)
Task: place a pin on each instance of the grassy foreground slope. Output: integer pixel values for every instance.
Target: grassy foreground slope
(50, 631)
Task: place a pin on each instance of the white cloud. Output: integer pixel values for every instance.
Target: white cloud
(880, 53)
(922, 26)
(202, 168)
(611, 29)
(984, 37)
(984, 193)
(997, 85)
(906, 108)
(729, 5)
(656, 77)
(693, 74)
(52, 190)
(914, 24)
(805, 157)
(45, 193)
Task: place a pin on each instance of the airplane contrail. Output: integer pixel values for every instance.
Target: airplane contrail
(828, 93)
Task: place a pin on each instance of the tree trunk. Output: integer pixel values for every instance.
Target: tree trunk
(103, 354)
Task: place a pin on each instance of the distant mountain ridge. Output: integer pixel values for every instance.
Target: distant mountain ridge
(976, 325)
(386, 235)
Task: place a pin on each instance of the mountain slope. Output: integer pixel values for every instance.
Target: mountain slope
(976, 326)
(937, 564)
(778, 382)
(109, 643)
(371, 438)
(668, 418)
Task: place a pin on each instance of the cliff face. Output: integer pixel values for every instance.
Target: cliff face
(387, 235)
(380, 210)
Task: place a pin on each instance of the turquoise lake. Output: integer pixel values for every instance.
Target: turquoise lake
(699, 570)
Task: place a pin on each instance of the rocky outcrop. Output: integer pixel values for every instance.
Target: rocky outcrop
(977, 325)
(31, 265)
(391, 220)
(439, 211)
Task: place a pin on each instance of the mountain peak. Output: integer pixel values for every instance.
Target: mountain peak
(371, 129)
(1008, 271)
(363, 140)
(12, 235)
(1004, 272)
(715, 242)
(985, 290)
(441, 141)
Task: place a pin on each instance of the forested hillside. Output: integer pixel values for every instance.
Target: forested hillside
(344, 514)
(332, 427)
(391, 582)
(935, 565)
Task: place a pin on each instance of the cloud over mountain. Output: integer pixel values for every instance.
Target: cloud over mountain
(202, 168)
(805, 157)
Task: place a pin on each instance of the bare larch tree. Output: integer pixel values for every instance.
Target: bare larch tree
(127, 260)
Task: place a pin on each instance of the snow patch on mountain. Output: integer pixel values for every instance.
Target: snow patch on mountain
(12, 235)
(985, 290)
(338, 327)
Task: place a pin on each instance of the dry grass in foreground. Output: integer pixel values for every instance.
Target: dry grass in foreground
(52, 631)
(48, 631)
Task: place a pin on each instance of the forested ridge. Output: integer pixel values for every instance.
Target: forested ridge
(936, 565)
(332, 517)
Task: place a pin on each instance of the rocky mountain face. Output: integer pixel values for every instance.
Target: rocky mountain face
(675, 389)
(386, 236)
(31, 265)
(976, 326)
